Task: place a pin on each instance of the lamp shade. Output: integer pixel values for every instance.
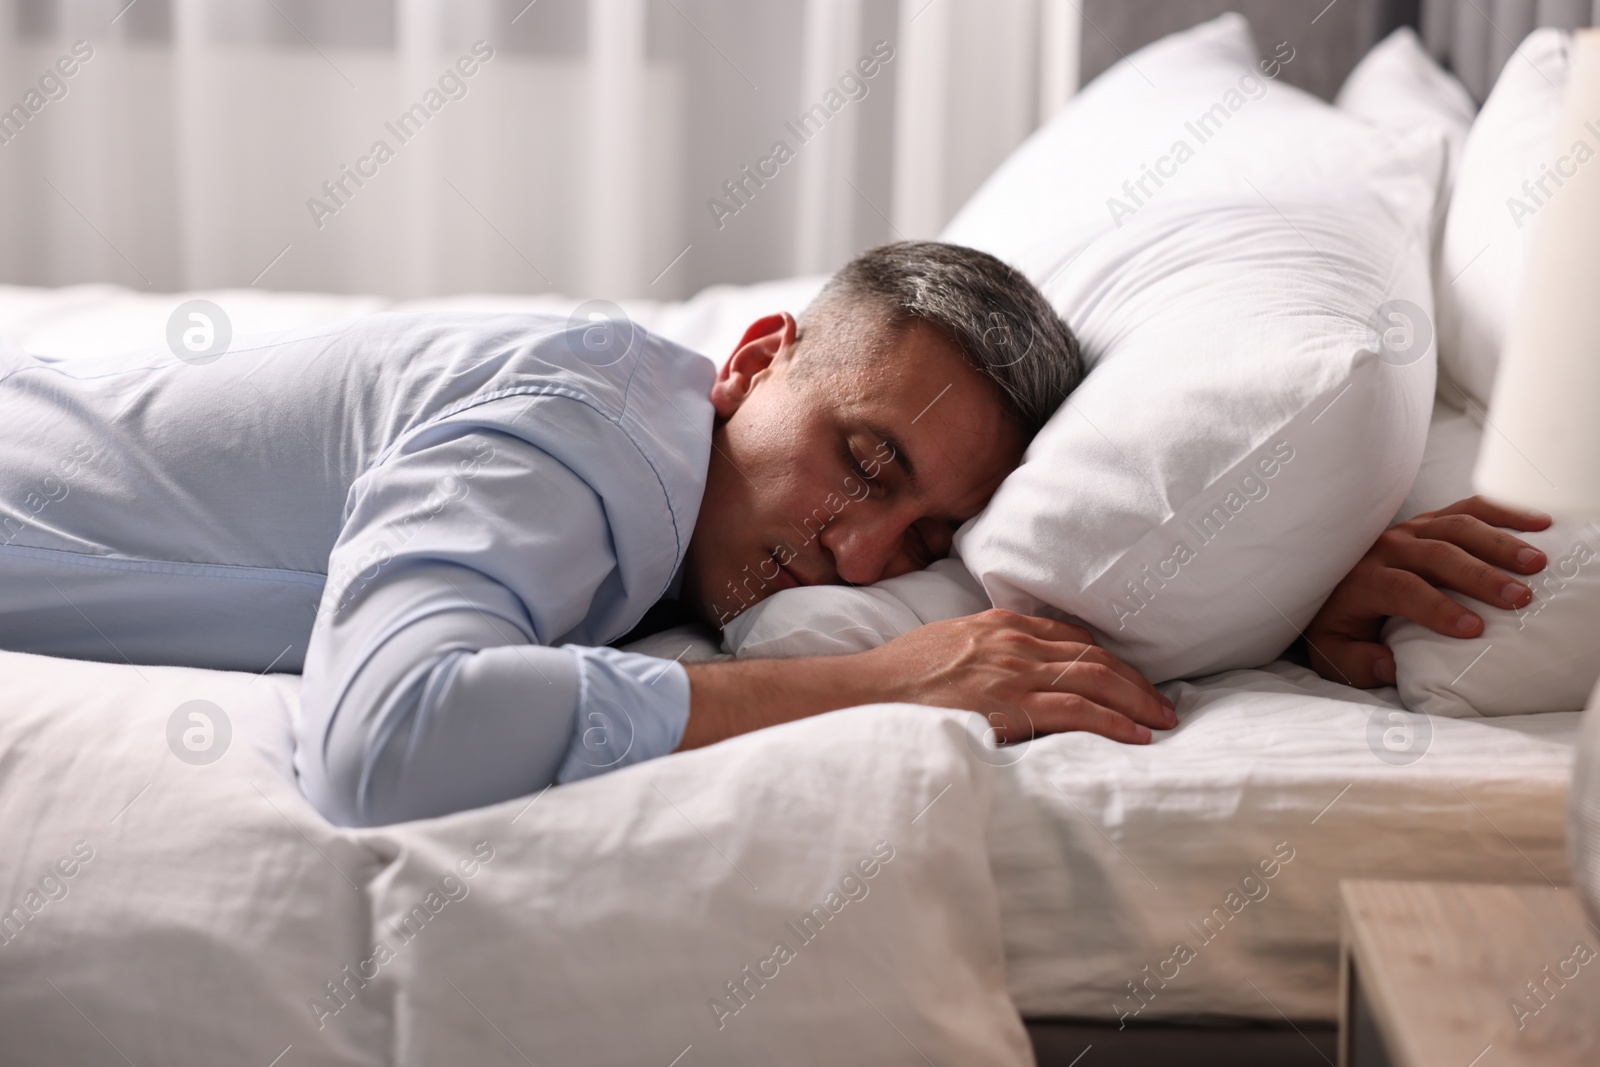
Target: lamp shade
(1542, 447)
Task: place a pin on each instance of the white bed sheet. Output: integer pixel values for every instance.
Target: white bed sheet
(1107, 857)
(1103, 854)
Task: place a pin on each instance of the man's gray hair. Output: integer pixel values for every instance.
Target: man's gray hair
(997, 318)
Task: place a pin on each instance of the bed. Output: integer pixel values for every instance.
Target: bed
(936, 898)
(1104, 858)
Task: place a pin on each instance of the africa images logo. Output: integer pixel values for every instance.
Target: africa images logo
(52, 87)
(339, 190)
(1203, 127)
(852, 887)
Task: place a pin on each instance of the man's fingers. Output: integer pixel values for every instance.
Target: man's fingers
(1067, 655)
(1105, 684)
(1488, 543)
(1416, 598)
(1054, 713)
(1457, 548)
(1454, 567)
(1362, 664)
(1495, 514)
(1068, 645)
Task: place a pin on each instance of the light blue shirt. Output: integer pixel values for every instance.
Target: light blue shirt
(438, 519)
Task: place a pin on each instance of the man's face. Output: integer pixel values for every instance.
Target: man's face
(857, 470)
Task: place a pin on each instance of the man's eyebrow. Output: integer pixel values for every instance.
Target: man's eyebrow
(899, 451)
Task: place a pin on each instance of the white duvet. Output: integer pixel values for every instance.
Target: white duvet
(787, 897)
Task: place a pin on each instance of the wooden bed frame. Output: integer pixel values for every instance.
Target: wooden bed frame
(1211, 1042)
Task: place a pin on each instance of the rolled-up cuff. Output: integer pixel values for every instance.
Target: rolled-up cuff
(631, 708)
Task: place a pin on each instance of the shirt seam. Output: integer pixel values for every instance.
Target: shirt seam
(593, 403)
(227, 571)
(40, 365)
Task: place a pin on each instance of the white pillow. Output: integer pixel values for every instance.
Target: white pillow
(1539, 658)
(1397, 85)
(1486, 231)
(203, 913)
(1242, 439)
(835, 620)
(1445, 475)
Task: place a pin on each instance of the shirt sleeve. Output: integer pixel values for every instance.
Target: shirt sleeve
(431, 684)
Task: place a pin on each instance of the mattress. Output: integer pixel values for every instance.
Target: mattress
(1195, 876)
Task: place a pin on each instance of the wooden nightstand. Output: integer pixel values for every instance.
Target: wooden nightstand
(1440, 974)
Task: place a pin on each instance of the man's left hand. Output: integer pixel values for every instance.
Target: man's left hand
(1457, 548)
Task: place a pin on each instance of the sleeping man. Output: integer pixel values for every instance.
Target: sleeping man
(443, 520)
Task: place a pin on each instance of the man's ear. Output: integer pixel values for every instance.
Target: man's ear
(768, 340)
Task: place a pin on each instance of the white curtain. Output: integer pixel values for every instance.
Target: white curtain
(625, 148)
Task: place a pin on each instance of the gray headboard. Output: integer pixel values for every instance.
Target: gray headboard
(1474, 38)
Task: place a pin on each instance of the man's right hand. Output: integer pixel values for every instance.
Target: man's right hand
(1026, 675)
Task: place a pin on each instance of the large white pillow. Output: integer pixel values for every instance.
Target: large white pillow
(1486, 231)
(1537, 658)
(1243, 436)
(179, 911)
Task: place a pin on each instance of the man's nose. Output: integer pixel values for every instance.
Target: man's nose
(863, 545)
